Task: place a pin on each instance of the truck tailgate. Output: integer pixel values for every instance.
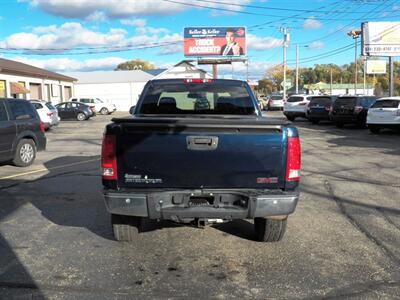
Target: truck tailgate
(200, 155)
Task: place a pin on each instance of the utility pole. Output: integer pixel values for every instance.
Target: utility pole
(331, 79)
(215, 71)
(285, 44)
(391, 83)
(297, 68)
(365, 74)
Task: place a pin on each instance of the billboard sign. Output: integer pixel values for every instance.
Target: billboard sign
(376, 66)
(214, 41)
(381, 39)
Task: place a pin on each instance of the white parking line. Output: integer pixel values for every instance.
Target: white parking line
(48, 169)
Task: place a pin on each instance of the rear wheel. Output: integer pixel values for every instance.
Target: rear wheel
(80, 117)
(126, 228)
(374, 129)
(25, 153)
(269, 230)
(104, 111)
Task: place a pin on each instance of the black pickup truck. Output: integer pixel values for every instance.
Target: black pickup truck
(199, 151)
(21, 132)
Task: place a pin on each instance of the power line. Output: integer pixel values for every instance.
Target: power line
(343, 27)
(245, 12)
(278, 8)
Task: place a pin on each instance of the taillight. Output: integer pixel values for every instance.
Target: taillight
(108, 157)
(327, 108)
(293, 161)
(357, 109)
(49, 114)
(42, 127)
(197, 80)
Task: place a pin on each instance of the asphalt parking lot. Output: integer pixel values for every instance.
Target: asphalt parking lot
(343, 241)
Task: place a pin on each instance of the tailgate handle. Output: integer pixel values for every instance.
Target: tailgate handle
(202, 142)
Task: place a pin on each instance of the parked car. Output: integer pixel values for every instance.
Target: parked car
(351, 109)
(47, 112)
(74, 110)
(21, 132)
(296, 106)
(319, 107)
(276, 101)
(99, 105)
(254, 161)
(384, 113)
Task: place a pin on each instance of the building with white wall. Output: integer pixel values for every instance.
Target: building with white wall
(184, 69)
(339, 89)
(121, 88)
(19, 80)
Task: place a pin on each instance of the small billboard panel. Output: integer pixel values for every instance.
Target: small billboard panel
(376, 67)
(381, 39)
(214, 41)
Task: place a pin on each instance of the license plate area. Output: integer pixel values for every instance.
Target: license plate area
(214, 200)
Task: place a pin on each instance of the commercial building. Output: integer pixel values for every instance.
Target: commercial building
(19, 80)
(339, 88)
(123, 88)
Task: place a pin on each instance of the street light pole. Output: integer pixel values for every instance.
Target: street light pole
(285, 44)
(355, 34)
(297, 68)
(355, 64)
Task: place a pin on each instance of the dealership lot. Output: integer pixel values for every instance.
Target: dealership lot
(343, 239)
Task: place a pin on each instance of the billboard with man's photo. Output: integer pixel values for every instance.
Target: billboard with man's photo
(214, 41)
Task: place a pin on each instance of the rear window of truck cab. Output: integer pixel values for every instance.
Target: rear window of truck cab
(211, 97)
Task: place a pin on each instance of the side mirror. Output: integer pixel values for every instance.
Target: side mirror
(132, 110)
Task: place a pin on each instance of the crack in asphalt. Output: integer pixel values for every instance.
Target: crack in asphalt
(356, 290)
(359, 226)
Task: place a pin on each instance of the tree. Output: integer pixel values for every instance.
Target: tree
(135, 64)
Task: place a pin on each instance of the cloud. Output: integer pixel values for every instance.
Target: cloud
(66, 36)
(97, 16)
(69, 36)
(72, 65)
(134, 22)
(114, 9)
(396, 7)
(262, 43)
(316, 45)
(311, 23)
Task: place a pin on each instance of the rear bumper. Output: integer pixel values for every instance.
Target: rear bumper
(177, 205)
(347, 119)
(294, 113)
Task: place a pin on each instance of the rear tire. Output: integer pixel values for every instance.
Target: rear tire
(269, 230)
(374, 129)
(126, 228)
(25, 153)
(104, 111)
(81, 117)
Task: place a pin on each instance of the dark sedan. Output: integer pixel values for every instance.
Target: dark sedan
(74, 110)
(319, 107)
